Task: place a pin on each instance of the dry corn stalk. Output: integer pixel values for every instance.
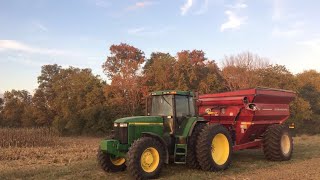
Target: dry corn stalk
(27, 137)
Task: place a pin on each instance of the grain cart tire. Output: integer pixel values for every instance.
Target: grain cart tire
(192, 161)
(277, 143)
(145, 158)
(214, 148)
(109, 163)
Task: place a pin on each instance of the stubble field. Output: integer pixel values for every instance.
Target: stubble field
(75, 158)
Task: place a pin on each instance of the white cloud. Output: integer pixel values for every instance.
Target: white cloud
(148, 31)
(288, 33)
(12, 45)
(40, 26)
(102, 3)
(136, 30)
(26, 60)
(140, 4)
(289, 30)
(186, 6)
(234, 21)
(238, 5)
(204, 8)
(278, 9)
(311, 43)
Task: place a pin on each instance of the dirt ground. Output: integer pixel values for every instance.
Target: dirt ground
(74, 158)
(307, 169)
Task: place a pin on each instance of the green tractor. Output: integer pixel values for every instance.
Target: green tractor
(168, 134)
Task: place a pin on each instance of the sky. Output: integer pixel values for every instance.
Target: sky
(79, 32)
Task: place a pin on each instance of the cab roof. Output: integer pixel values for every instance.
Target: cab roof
(165, 92)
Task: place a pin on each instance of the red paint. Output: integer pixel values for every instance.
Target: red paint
(252, 144)
(231, 109)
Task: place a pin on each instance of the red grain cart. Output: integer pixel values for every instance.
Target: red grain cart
(253, 117)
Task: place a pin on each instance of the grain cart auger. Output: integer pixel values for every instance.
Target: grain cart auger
(253, 118)
(143, 143)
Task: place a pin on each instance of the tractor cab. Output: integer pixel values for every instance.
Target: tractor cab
(175, 107)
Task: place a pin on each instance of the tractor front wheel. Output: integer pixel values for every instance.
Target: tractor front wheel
(277, 143)
(214, 148)
(191, 154)
(145, 158)
(109, 163)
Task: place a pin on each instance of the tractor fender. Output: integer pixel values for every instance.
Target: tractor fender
(194, 124)
(161, 140)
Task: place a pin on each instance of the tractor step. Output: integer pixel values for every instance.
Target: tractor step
(180, 153)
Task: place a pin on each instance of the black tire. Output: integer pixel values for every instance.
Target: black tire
(277, 143)
(204, 148)
(192, 161)
(104, 160)
(135, 152)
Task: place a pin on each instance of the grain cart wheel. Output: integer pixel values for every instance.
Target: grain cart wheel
(191, 153)
(214, 148)
(145, 158)
(277, 143)
(109, 163)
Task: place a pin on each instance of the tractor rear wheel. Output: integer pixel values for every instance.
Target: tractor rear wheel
(191, 153)
(214, 148)
(145, 158)
(109, 163)
(277, 143)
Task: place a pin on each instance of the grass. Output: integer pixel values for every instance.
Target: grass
(75, 159)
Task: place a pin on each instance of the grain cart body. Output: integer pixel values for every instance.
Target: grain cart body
(246, 113)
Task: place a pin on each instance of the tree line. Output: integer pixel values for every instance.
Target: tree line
(74, 101)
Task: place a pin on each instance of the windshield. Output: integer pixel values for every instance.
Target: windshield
(184, 106)
(161, 106)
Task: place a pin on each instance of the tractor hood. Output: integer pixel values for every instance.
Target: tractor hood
(142, 119)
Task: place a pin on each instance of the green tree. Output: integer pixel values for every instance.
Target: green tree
(16, 110)
(213, 81)
(186, 69)
(312, 95)
(311, 77)
(301, 113)
(308, 85)
(43, 102)
(193, 71)
(42, 111)
(276, 76)
(71, 100)
(158, 72)
(77, 93)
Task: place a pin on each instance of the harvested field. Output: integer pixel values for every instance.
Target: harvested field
(74, 158)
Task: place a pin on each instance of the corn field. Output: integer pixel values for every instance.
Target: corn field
(27, 137)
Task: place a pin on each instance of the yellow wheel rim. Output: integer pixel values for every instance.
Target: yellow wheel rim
(150, 159)
(117, 161)
(220, 149)
(285, 144)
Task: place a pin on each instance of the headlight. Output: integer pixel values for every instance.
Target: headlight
(115, 124)
(123, 125)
